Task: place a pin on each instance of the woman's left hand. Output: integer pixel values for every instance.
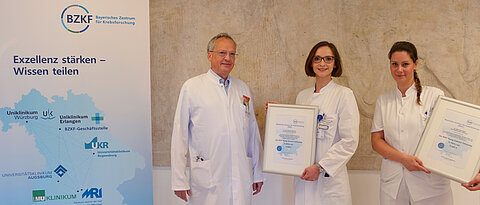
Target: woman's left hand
(311, 173)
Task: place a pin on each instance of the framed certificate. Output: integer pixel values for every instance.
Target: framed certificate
(290, 138)
(450, 144)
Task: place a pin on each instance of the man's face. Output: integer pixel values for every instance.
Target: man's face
(222, 65)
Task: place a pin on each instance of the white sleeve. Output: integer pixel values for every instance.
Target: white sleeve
(255, 146)
(179, 148)
(377, 122)
(339, 153)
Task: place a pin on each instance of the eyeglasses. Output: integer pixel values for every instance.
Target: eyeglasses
(326, 59)
(223, 54)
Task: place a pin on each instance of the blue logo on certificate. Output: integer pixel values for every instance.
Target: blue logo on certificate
(441, 145)
(279, 148)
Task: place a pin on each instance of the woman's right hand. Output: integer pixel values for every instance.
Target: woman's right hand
(266, 104)
(413, 163)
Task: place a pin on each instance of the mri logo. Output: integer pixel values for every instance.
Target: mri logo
(94, 144)
(76, 18)
(38, 195)
(92, 193)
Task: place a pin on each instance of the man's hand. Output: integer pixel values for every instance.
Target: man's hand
(257, 187)
(266, 104)
(182, 194)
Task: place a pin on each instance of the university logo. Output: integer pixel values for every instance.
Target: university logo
(38, 195)
(94, 144)
(97, 118)
(48, 115)
(60, 170)
(92, 193)
(76, 18)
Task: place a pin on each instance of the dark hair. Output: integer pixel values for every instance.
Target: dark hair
(412, 52)
(337, 68)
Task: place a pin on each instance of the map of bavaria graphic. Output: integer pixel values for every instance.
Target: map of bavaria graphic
(76, 158)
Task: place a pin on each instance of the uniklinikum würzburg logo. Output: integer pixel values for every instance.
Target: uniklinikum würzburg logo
(76, 18)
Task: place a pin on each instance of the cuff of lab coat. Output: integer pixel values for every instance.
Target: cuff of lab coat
(258, 178)
(180, 188)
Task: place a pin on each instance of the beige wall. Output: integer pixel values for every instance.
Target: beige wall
(274, 38)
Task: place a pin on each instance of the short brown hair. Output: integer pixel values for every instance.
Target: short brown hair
(337, 69)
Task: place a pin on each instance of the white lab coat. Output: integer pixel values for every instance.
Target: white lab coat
(403, 122)
(337, 140)
(221, 130)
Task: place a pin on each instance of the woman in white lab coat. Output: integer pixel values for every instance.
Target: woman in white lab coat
(399, 120)
(326, 181)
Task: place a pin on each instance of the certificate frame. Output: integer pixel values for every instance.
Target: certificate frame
(290, 145)
(450, 143)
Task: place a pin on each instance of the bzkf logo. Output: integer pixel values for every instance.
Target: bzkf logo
(76, 18)
(94, 144)
(92, 192)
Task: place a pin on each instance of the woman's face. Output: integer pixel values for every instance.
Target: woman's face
(323, 62)
(402, 67)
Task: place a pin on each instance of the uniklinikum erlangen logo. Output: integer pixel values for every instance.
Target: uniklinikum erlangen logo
(76, 18)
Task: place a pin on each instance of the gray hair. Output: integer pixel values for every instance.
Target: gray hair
(212, 41)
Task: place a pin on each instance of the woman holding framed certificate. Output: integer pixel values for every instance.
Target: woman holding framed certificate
(326, 181)
(399, 120)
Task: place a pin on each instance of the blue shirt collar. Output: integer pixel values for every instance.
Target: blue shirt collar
(220, 79)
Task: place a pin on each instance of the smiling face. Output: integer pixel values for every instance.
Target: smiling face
(322, 69)
(402, 68)
(222, 66)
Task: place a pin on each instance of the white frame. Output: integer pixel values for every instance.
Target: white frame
(433, 128)
(308, 112)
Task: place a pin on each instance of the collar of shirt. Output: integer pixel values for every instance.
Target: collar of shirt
(221, 81)
(324, 89)
(411, 91)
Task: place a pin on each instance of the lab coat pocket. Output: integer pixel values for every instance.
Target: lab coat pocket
(334, 186)
(243, 118)
(201, 174)
(433, 180)
(423, 122)
(327, 127)
(326, 130)
(389, 171)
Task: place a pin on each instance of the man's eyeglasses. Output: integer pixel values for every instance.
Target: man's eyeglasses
(326, 59)
(223, 54)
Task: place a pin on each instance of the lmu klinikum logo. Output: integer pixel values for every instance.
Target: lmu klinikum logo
(76, 18)
(38, 195)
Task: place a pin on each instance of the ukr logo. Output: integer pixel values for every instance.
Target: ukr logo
(94, 144)
(76, 18)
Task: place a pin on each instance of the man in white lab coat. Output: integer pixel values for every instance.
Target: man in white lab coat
(215, 128)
